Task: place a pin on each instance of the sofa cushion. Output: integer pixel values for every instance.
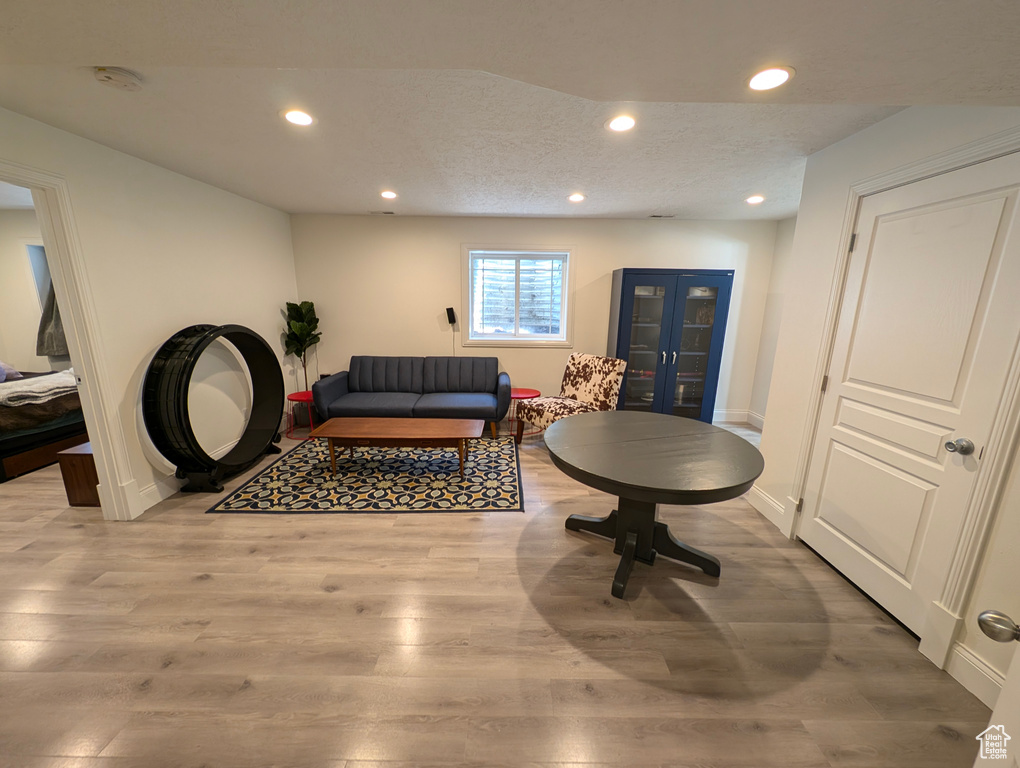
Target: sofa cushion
(460, 374)
(393, 404)
(456, 405)
(385, 374)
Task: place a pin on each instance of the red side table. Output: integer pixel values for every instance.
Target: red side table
(520, 393)
(299, 397)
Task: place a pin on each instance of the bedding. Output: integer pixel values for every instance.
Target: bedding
(69, 424)
(35, 400)
(40, 415)
(38, 389)
(8, 372)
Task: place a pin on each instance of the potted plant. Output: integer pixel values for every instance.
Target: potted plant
(302, 331)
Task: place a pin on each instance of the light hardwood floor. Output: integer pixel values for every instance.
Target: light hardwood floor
(358, 641)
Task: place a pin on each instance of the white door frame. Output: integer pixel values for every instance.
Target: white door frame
(945, 615)
(54, 211)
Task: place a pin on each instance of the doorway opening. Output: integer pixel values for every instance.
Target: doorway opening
(40, 408)
(51, 204)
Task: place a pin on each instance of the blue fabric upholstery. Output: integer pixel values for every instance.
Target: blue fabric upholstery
(392, 404)
(460, 374)
(502, 395)
(430, 387)
(385, 374)
(326, 390)
(456, 405)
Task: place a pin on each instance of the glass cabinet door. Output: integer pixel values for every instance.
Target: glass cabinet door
(691, 361)
(670, 325)
(649, 321)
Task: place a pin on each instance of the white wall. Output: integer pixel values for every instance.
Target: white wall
(781, 259)
(381, 284)
(908, 136)
(161, 252)
(19, 300)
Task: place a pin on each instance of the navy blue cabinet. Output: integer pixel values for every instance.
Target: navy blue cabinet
(669, 325)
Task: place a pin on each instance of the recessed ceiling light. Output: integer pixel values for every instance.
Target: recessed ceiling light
(576, 197)
(298, 117)
(771, 78)
(621, 123)
(755, 200)
(389, 194)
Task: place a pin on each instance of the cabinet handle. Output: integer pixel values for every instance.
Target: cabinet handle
(663, 357)
(673, 361)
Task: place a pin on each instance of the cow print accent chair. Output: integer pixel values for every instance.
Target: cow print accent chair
(590, 383)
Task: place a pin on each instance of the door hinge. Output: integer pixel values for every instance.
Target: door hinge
(825, 384)
(853, 242)
(800, 504)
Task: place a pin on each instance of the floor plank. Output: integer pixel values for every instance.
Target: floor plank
(185, 639)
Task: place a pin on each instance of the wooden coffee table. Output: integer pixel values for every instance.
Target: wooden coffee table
(349, 432)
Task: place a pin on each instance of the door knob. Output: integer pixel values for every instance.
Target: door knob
(999, 626)
(961, 445)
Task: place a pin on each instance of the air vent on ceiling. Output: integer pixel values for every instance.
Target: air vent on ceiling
(381, 213)
(662, 216)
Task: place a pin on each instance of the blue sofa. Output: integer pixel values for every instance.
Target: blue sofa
(423, 387)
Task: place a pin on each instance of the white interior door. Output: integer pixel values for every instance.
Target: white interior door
(927, 329)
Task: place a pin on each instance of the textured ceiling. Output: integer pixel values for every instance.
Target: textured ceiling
(470, 107)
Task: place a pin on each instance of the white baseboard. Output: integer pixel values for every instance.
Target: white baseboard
(941, 626)
(974, 674)
(730, 417)
(770, 509)
(756, 420)
(163, 488)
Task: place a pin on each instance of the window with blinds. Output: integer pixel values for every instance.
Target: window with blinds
(517, 296)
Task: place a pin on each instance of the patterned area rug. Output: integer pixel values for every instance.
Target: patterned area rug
(385, 480)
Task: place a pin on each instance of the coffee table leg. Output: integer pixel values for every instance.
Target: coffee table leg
(461, 451)
(332, 455)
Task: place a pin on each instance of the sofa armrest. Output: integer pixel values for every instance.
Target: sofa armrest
(502, 395)
(326, 390)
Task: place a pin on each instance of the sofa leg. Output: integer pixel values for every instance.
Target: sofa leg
(520, 431)
(492, 426)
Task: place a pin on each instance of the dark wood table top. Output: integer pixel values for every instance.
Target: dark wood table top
(385, 428)
(654, 457)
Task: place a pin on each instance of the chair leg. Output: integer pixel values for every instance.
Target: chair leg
(520, 431)
(492, 426)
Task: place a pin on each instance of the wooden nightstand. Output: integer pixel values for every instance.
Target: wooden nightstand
(81, 482)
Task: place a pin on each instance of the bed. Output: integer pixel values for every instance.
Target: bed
(40, 415)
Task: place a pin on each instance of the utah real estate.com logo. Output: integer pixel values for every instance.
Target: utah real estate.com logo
(993, 742)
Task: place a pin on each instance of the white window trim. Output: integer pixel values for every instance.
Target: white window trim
(568, 296)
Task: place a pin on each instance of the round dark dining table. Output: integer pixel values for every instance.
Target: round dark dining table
(647, 459)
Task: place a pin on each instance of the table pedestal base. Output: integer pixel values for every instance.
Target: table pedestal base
(639, 536)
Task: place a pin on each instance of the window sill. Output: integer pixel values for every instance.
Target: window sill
(551, 343)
